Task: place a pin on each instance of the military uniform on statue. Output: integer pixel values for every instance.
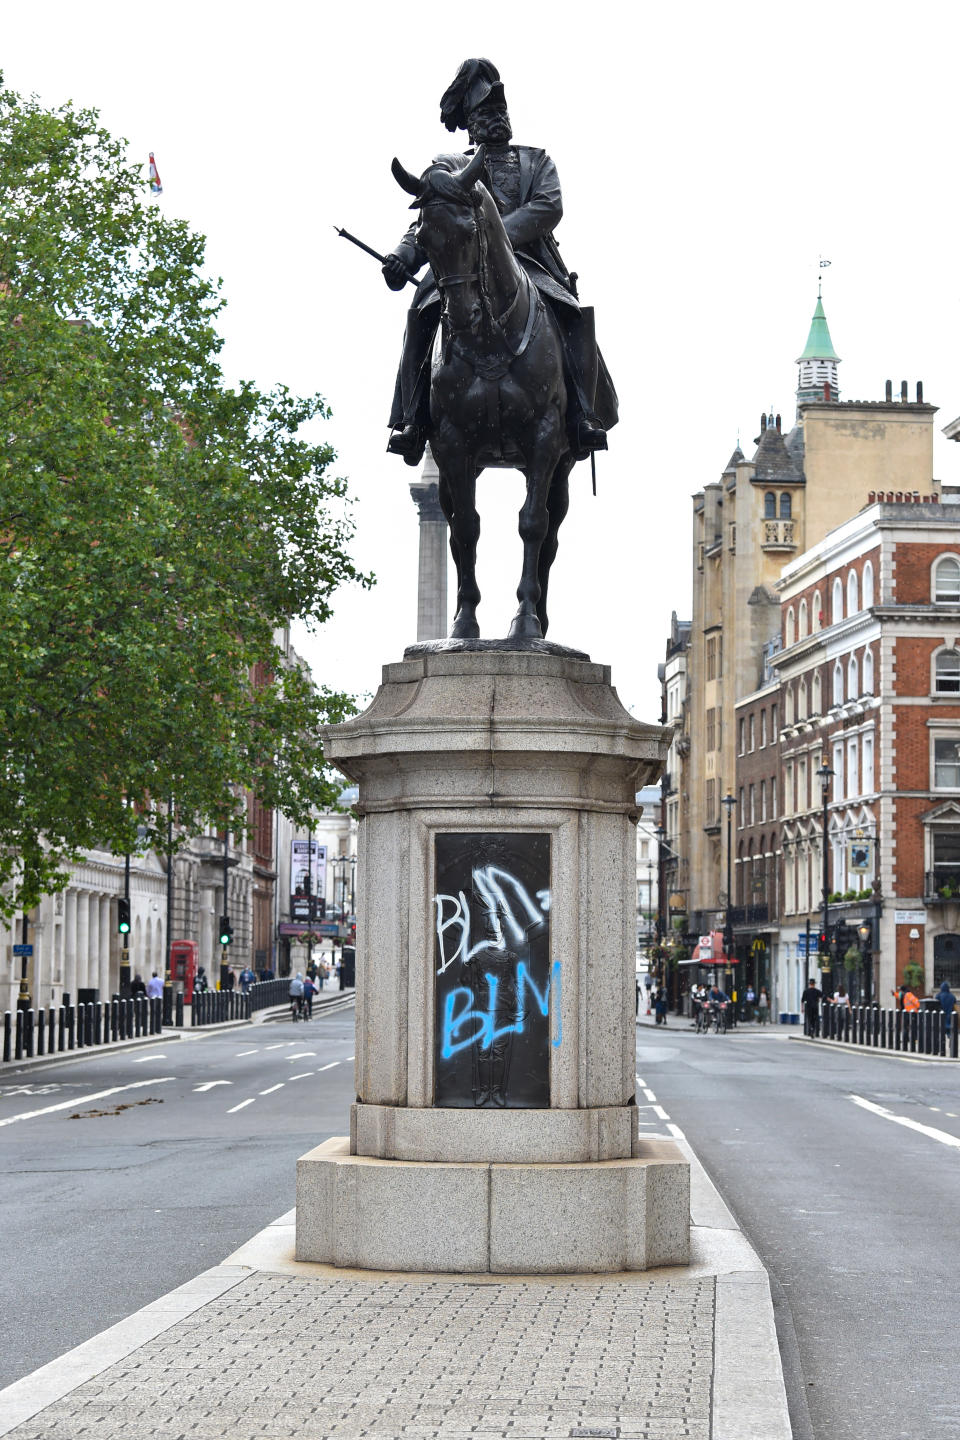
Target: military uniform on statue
(524, 183)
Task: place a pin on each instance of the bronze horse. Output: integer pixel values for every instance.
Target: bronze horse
(497, 390)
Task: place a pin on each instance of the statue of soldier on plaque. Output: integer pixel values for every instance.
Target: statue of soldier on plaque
(524, 184)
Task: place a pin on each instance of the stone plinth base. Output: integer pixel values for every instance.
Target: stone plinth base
(595, 1217)
(536, 1137)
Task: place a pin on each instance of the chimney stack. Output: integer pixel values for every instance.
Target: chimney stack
(903, 392)
(889, 395)
(919, 392)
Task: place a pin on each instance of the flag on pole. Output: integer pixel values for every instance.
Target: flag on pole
(155, 187)
(825, 263)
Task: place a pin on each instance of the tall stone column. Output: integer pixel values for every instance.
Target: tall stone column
(83, 941)
(104, 948)
(70, 945)
(93, 943)
(432, 572)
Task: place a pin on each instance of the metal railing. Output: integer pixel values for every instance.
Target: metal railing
(265, 993)
(27, 1033)
(916, 1032)
(941, 885)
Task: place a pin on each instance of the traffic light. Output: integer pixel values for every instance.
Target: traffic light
(226, 930)
(123, 916)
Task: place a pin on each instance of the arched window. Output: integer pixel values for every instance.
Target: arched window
(790, 628)
(868, 672)
(946, 579)
(867, 585)
(769, 506)
(838, 684)
(786, 507)
(817, 612)
(802, 700)
(788, 706)
(836, 609)
(817, 694)
(802, 620)
(853, 679)
(853, 593)
(947, 673)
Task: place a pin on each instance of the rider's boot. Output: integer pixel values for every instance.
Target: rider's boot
(410, 441)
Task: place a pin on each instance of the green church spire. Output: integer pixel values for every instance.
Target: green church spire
(819, 344)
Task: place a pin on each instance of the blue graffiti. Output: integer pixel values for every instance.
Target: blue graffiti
(486, 1032)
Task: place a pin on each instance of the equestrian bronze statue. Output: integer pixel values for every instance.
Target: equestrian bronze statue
(500, 366)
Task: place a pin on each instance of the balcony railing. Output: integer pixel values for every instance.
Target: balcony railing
(941, 886)
(778, 535)
(749, 914)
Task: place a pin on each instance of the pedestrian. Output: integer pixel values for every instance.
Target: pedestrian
(660, 1005)
(910, 1001)
(309, 990)
(841, 999)
(898, 995)
(155, 987)
(229, 981)
(201, 983)
(137, 987)
(247, 978)
(751, 1001)
(948, 1003)
(763, 1006)
(811, 1009)
(296, 995)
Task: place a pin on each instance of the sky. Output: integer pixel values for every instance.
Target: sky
(709, 157)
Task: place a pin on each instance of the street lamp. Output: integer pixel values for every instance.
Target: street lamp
(825, 775)
(865, 931)
(728, 803)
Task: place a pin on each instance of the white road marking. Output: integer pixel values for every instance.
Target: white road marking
(349, 1058)
(249, 1052)
(328, 1067)
(235, 1108)
(301, 1055)
(659, 1111)
(154, 1055)
(639, 1081)
(85, 1099)
(303, 1076)
(272, 1088)
(649, 1094)
(933, 1133)
(676, 1132)
(279, 1045)
(935, 1109)
(210, 1085)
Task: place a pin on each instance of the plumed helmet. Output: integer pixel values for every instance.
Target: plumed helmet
(476, 81)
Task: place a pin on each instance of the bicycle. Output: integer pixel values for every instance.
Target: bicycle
(720, 1018)
(297, 1008)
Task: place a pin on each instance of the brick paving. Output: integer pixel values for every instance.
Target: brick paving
(281, 1357)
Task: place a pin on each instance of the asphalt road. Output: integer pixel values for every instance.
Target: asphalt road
(112, 1200)
(852, 1211)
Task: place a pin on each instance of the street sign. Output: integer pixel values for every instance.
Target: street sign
(23, 949)
(802, 944)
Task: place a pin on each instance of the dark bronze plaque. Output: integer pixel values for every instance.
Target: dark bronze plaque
(494, 972)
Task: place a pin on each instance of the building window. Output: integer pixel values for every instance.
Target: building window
(711, 729)
(836, 609)
(853, 593)
(947, 672)
(742, 731)
(773, 723)
(769, 506)
(802, 700)
(868, 785)
(712, 657)
(753, 734)
(838, 684)
(817, 694)
(741, 813)
(946, 762)
(711, 801)
(753, 804)
(838, 790)
(773, 798)
(788, 799)
(791, 633)
(802, 620)
(763, 728)
(853, 678)
(763, 802)
(817, 612)
(946, 580)
(868, 672)
(788, 705)
(801, 785)
(786, 508)
(853, 768)
(867, 585)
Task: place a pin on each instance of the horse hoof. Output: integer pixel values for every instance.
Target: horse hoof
(465, 630)
(525, 627)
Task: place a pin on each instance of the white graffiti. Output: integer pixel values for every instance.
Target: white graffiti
(516, 916)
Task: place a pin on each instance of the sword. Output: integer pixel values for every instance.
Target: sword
(411, 280)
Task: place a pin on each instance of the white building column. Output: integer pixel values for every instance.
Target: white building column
(70, 945)
(83, 942)
(93, 941)
(104, 948)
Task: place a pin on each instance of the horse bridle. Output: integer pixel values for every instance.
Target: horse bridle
(497, 322)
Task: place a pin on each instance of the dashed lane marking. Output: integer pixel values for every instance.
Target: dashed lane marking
(328, 1067)
(648, 1093)
(279, 1045)
(272, 1088)
(930, 1130)
(210, 1085)
(301, 1054)
(154, 1055)
(243, 1103)
(85, 1099)
(303, 1076)
(248, 1052)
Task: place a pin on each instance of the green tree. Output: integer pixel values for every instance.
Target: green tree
(157, 527)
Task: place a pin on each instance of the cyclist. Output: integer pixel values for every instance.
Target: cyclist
(717, 1002)
(296, 996)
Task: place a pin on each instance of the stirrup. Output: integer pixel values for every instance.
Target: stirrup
(410, 442)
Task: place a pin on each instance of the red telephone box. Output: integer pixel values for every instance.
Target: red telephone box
(183, 966)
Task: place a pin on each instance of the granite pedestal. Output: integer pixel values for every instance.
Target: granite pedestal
(495, 1125)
